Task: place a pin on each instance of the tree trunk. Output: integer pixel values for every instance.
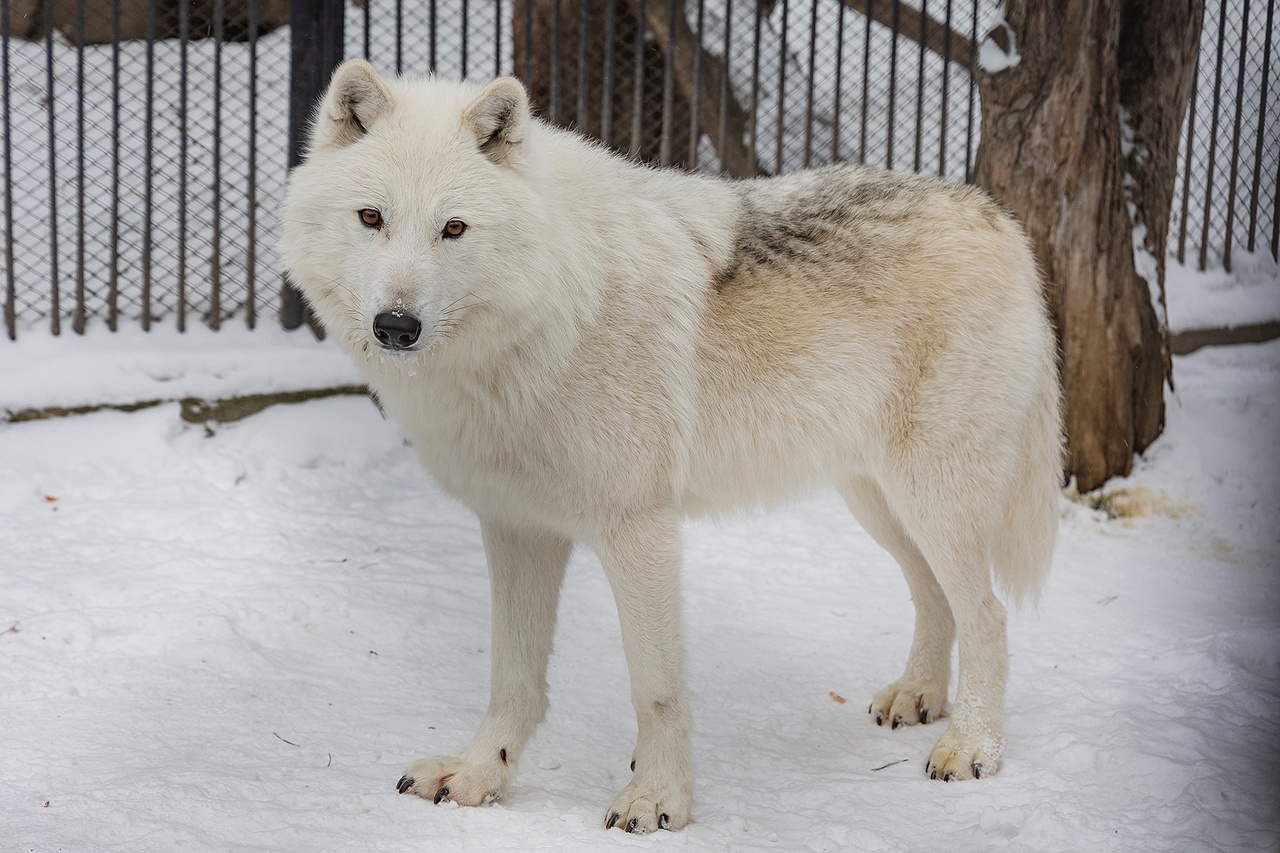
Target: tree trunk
(1051, 152)
(1159, 45)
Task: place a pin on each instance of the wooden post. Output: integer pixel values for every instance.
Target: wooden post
(316, 50)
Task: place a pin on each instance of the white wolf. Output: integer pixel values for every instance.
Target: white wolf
(588, 350)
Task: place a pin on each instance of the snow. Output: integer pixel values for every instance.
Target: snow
(235, 638)
(992, 57)
(1214, 298)
(132, 365)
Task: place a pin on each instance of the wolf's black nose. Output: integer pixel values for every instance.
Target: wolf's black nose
(395, 330)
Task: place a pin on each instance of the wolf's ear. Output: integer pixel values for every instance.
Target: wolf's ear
(357, 98)
(499, 118)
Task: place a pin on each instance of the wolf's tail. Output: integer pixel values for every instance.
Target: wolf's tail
(1029, 525)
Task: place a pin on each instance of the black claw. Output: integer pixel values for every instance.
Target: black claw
(441, 794)
(405, 783)
(933, 774)
(948, 776)
(502, 754)
(633, 765)
(879, 719)
(613, 818)
(631, 824)
(663, 821)
(924, 715)
(897, 721)
(869, 707)
(978, 771)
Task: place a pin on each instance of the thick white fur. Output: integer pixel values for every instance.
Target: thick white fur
(610, 348)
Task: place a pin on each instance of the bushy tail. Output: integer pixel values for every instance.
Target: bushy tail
(1029, 527)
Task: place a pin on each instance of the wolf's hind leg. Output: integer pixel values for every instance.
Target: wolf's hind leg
(525, 572)
(947, 521)
(920, 695)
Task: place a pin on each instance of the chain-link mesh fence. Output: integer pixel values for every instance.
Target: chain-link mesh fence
(1229, 170)
(145, 141)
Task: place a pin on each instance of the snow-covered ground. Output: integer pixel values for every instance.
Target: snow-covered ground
(236, 638)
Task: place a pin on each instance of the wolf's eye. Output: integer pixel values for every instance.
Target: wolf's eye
(370, 218)
(453, 229)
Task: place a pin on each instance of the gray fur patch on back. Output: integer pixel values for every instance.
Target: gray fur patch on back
(794, 221)
(804, 218)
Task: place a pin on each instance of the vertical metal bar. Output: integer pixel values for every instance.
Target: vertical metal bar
(1262, 123)
(782, 90)
(497, 40)
(637, 84)
(893, 78)
(973, 79)
(606, 104)
(147, 166)
(55, 311)
(215, 266)
(1235, 140)
(722, 129)
(528, 43)
(113, 282)
(835, 112)
(251, 199)
(808, 98)
(866, 81)
(77, 321)
(10, 291)
(695, 103)
(466, 9)
(668, 87)
(315, 50)
(946, 92)
(924, 33)
(1186, 165)
(752, 131)
(368, 12)
(556, 47)
(399, 37)
(184, 37)
(1275, 216)
(584, 15)
(1213, 137)
(431, 39)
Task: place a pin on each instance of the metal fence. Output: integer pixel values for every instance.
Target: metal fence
(146, 142)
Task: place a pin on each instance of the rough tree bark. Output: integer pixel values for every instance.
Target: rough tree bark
(1159, 45)
(1051, 152)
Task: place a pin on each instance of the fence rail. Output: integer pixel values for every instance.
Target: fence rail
(146, 142)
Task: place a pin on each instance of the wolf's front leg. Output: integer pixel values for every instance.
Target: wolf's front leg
(641, 557)
(525, 572)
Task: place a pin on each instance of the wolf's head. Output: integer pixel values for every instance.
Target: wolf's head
(409, 212)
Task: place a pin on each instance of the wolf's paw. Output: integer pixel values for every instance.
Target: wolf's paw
(643, 808)
(960, 756)
(909, 701)
(450, 779)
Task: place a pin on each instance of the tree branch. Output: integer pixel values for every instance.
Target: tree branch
(731, 146)
(960, 49)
